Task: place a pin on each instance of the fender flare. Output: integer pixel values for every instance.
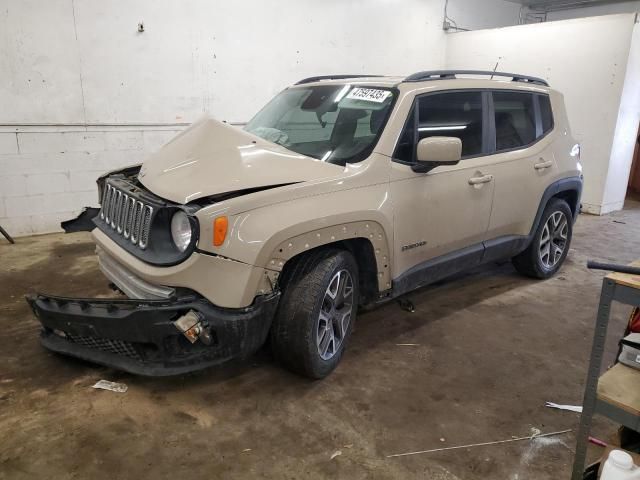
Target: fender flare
(570, 184)
(369, 230)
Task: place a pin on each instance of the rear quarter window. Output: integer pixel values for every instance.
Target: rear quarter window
(546, 114)
(515, 119)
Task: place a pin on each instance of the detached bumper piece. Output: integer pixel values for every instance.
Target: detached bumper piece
(152, 337)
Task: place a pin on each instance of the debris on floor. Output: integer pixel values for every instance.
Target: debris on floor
(597, 441)
(406, 305)
(111, 386)
(571, 408)
(335, 454)
(534, 436)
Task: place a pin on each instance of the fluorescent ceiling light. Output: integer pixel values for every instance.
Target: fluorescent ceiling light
(325, 156)
(342, 93)
(450, 127)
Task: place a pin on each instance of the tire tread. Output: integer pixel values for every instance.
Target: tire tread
(291, 334)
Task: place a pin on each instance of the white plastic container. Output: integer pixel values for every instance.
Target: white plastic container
(619, 466)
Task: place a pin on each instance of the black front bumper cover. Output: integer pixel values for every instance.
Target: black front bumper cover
(138, 336)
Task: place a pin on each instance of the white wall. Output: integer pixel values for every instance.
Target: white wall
(586, 59)
(626, 131)
(84, 61)
(47, 174)
(82, 92)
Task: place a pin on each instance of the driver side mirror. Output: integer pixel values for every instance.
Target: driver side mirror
(435, 151)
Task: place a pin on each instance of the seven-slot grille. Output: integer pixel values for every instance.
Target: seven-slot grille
(127, 215)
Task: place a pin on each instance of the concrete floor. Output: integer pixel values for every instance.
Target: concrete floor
(490, 347)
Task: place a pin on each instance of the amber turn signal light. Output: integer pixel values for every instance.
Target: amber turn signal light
(220, 225)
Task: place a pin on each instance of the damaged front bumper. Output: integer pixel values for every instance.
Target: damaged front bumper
(152, 337)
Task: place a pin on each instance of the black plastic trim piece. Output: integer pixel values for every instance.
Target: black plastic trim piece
(563, 185)
(146, 327)
(451, 74)
(504, 247)
(488, 132)
(82, 223)
(438, 268)
(333, 77)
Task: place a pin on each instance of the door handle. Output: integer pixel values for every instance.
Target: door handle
(542, 165)
(479, 180)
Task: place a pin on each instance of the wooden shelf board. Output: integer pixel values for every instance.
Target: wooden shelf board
(620, 386)
(626, 279)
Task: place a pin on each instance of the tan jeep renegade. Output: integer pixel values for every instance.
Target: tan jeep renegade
(343, 191)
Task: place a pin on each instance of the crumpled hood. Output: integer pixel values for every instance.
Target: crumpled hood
(211, 157)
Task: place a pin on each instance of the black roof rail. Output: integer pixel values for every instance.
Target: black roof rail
(332, 77)
(449, 74)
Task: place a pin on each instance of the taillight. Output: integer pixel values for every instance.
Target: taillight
(575, 151)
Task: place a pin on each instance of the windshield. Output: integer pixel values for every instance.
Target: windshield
(334, 123)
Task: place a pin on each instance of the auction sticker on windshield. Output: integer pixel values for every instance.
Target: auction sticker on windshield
(369, 94)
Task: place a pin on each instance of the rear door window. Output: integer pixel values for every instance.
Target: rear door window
(515, 119)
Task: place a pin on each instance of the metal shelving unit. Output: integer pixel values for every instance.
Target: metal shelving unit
(623, 288)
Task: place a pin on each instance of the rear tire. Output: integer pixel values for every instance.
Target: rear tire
(550, 244)
(316, 312)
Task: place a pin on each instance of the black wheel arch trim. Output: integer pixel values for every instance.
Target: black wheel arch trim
(569, 184)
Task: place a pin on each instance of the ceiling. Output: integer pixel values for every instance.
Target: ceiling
(561, 4)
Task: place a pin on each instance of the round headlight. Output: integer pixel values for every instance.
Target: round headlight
(181, 230)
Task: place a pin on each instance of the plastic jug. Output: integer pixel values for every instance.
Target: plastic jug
(619, 466)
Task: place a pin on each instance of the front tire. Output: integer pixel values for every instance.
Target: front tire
(316, 312)
(550, 244)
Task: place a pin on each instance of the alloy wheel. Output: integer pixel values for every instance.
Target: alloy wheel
(335, 314)
(553, 240)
